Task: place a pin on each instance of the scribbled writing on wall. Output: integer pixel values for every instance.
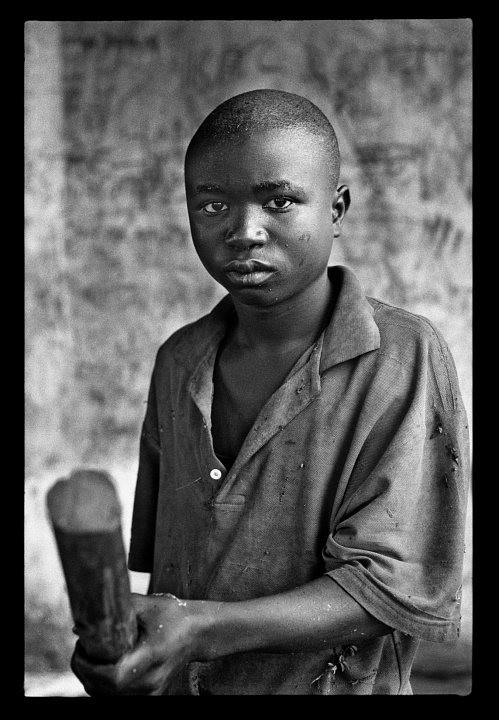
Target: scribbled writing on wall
(134, 92)
(443, 235)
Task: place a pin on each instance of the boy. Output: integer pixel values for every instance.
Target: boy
(301, 493)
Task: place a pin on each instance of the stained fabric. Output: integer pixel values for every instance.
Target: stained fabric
(357, 467)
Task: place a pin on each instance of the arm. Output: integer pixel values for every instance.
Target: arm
(395, 546)
(309, 617)
(397, 536)
(174, 632)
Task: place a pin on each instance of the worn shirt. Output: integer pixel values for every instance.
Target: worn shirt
(357, 467)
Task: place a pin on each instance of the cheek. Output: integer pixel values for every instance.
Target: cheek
(312, 250)
(303, 249)
(206, 231)
(202, 239)
(208, 253)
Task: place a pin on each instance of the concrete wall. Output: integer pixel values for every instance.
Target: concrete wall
(110, 270)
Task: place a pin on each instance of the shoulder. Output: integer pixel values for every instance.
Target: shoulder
(181, 345)
(190, 343)
(404, 333)
(417, 345)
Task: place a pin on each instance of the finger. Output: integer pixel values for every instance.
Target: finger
(151, 679)
(143, 606)
(90, 684)
(95, 678)
(80, 664)
(132, 667)
(74, 664)
(155, 601)
(139, 601)
(142, 671)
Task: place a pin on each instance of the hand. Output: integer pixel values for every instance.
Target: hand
(165, 644)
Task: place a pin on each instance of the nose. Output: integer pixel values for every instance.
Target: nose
(247, 230)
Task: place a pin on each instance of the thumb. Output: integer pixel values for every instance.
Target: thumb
(146, 607)
(139, 602)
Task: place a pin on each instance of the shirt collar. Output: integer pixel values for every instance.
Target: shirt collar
(351, 332)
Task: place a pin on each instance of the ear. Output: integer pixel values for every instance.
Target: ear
(341, 203)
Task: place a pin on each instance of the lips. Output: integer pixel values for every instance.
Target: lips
(247, 266)
(244, 273)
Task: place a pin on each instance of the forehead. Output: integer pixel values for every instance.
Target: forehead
(294, 152)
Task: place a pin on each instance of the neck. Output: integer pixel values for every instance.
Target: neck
(293, 322)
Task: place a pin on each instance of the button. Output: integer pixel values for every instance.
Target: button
(215, 474)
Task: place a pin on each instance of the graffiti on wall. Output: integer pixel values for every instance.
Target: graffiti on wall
(133, 94)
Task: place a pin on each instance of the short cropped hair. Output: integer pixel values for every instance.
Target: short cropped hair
(260, 110)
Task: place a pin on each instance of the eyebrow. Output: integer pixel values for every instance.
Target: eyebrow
(270, 185)
(261, 187)
(200, 189)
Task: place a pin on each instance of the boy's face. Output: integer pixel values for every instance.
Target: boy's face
(262, 213)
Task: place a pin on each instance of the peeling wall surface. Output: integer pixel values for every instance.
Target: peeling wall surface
(110, 268)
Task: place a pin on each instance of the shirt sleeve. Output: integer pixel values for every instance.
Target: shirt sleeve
(141, 553)
(397, 537)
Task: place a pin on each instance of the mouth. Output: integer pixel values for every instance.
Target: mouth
(248, 272)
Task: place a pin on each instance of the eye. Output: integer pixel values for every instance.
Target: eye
(214, 208)
(279, 203)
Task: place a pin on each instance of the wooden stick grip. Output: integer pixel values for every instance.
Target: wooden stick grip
(86, 518)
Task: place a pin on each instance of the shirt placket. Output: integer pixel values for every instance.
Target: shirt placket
(201, 392)
(291, 398)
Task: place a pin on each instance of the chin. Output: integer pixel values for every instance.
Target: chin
(256, 297)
